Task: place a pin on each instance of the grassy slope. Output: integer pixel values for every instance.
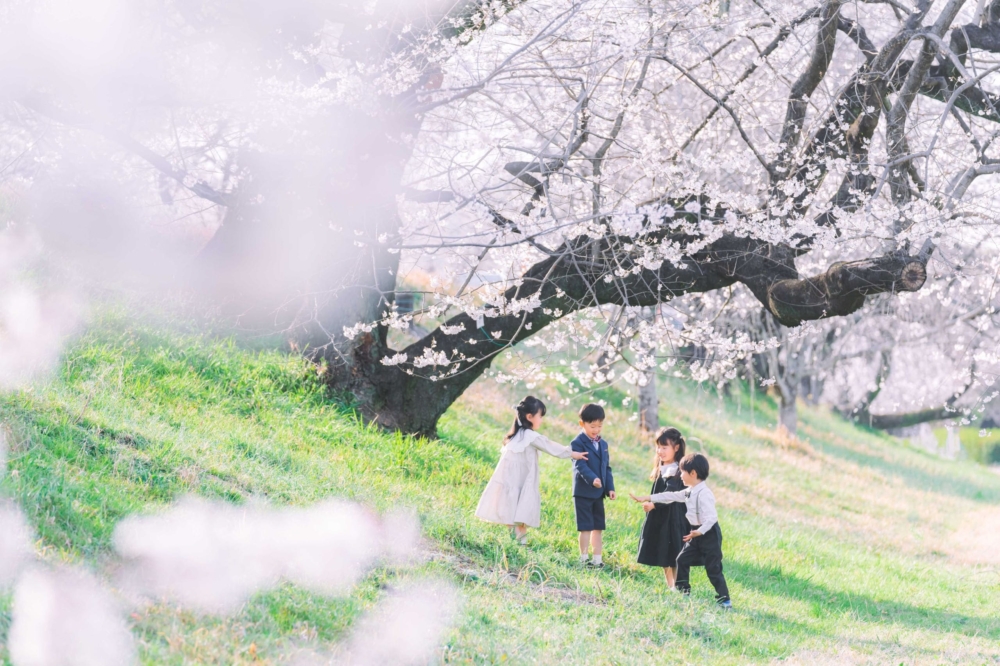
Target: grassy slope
(978, 444)
(841, 547)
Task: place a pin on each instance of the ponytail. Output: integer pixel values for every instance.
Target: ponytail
(530, 405)
(673, 437)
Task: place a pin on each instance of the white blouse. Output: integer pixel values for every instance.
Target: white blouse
(700, 502)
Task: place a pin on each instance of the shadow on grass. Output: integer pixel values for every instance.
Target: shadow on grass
(824, 602)
(464, 433)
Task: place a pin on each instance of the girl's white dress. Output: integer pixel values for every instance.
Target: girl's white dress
(512, 494)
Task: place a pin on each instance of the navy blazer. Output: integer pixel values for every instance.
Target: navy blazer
(596, 466)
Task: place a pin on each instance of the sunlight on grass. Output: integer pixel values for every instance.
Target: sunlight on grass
(840, 546)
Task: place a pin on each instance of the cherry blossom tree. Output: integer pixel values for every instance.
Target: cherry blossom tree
(553, 161)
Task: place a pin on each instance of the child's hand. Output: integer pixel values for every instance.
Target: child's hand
(597, 483)
(578, 455)
(612, 494)
(640, 500)
(694, 533)
(648, 506)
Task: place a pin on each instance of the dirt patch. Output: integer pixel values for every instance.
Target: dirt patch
(842, 657)
(978, 539)
(878, 654)
(468, 569)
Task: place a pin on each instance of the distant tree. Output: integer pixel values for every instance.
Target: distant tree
(649, 399)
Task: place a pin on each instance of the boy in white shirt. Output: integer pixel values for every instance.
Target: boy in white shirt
(703, 546)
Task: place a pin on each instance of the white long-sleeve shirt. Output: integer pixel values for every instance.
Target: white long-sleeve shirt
(700, 503)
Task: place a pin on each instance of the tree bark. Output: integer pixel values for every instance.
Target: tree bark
(811, 389)
(649, 405)
(788, 413)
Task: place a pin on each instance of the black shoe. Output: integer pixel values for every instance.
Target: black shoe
(591, 565)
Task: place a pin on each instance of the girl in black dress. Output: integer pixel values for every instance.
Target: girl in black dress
(666, 524)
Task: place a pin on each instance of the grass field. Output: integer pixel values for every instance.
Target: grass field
(842, 546)
(980, 445)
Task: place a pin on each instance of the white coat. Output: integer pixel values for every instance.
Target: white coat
(512, 495)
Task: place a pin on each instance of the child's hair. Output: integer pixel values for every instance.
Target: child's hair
(673, 437)
(591, 413)
(530, 405)
(697, 463)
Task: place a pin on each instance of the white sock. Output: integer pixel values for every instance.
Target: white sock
(583, 557)
(596, 559)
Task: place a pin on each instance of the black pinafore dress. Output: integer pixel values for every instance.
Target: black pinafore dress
(665, 527)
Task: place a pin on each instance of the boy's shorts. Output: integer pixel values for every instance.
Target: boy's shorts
(589, 513)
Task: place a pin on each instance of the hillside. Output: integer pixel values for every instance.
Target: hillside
(841, 547)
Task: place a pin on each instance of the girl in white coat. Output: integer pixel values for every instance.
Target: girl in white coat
(512, 497)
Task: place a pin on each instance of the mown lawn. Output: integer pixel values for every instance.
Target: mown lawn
(841, 547)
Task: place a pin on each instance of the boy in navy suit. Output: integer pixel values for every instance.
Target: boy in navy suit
(592, 481)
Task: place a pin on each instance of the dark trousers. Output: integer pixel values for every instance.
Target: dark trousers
(706, 551)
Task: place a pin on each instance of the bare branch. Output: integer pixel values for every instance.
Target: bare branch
(896, 118)
(805, 85)
(782, 35)
(726, 107)
(200, 188)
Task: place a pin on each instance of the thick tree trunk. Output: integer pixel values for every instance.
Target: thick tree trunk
(649, 405)
(811, 389)
(787, 384)
(788, 414)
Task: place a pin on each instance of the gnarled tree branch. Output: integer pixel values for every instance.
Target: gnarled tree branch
(575, 277)
(862, 411)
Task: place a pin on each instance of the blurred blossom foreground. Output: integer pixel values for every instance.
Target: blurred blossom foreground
(34, 321)
(212, 557)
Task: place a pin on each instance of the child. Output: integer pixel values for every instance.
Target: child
(592, 481)
(703, 546)
(511, 497)
(666, 525)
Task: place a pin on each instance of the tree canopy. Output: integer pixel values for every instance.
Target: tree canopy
(556, 164)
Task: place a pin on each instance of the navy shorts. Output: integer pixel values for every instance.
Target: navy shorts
(589, 513)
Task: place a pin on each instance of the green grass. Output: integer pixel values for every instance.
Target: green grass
(980, 445)
(841, 546)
